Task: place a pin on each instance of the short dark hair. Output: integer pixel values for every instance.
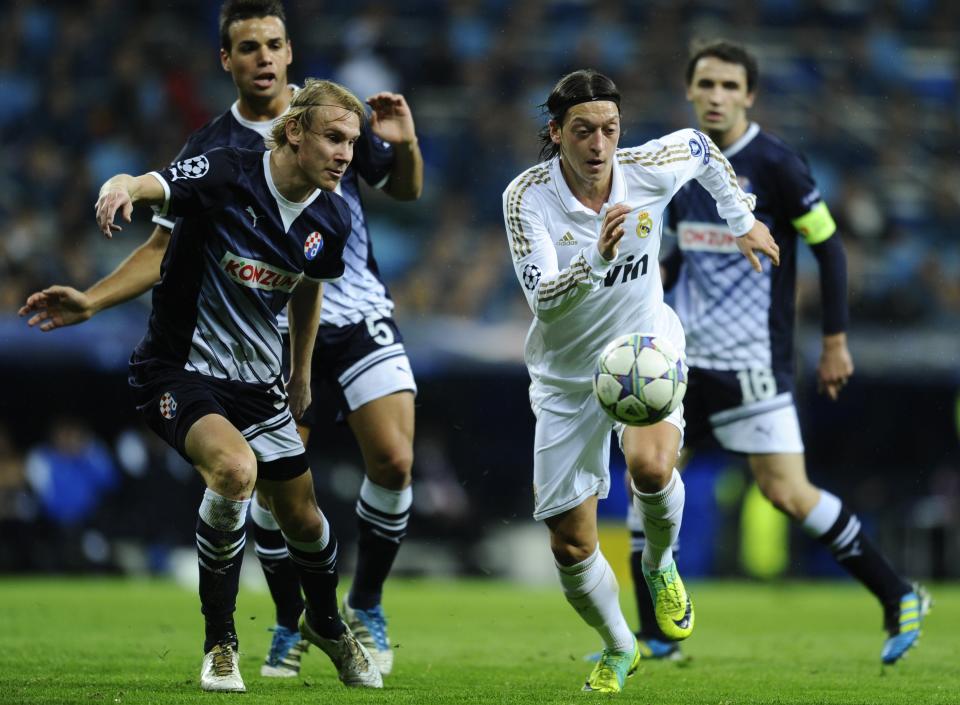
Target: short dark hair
(236, 10)
(725, 51)
(580, 86)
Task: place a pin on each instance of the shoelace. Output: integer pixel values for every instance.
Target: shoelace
(672, 590)
(355, 653)
(607, 667)
(223, 660)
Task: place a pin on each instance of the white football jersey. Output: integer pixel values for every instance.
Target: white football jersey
(579, 300)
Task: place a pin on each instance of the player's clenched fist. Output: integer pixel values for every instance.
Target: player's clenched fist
(611, 232)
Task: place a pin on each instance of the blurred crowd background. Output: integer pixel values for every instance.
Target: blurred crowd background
(868, 91)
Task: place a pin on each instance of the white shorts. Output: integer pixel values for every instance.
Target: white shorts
(380, 373)
(768, 426)
(571, 451)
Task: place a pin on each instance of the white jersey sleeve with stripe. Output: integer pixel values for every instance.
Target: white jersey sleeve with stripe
(579, 300)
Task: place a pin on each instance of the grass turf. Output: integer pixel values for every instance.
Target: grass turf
(115, 641)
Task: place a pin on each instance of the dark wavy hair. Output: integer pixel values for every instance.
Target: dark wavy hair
(237, 10)
(729, 52)
(580, 86)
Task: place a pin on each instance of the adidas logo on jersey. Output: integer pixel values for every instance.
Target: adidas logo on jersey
(256, 274)
(567, 240)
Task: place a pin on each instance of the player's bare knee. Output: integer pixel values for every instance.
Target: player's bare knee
(569, 553)
(783, 497)
(650, 468)
(393, 470)
(300, 522)
(232, 473)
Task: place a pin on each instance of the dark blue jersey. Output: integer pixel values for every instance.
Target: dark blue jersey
(237, 253)
(360, 293)
(734, 318)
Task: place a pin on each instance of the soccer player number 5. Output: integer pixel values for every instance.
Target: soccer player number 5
(380, 331)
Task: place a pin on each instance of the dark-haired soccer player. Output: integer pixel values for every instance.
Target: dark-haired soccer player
(359, 351)
(588, 210)
(258, 230)
(740, 336)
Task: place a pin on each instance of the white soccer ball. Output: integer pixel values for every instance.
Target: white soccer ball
(639, 379)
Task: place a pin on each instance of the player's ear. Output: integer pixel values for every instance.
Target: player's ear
(225, 59)
(748, 103)
(554, 131)
(294, 132)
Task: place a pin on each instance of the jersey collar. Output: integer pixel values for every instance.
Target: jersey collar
(618, 191)
(287, 207)
(752, 131)
(260, 126)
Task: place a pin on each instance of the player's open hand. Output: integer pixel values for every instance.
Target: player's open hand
(299, 396)
(391, 119)
(56, 307)
(759, 239)
(836, 365)
(107, 206)
(612, 230)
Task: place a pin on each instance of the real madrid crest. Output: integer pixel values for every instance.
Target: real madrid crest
(644, 224)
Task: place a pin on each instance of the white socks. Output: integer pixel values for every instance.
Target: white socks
(661, 513)
(823, 515)
(221, 513)
(591, 588)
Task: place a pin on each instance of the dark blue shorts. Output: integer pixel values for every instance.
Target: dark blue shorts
(355, 364)
(713, 392)
(172, 399)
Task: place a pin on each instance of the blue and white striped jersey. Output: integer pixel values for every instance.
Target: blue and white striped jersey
(360, 293)
(734, 318)
(238, 250)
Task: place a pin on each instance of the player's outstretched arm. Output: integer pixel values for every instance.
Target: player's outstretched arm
(392, 121)
(120, 193)
(59, 306)
(759, 239)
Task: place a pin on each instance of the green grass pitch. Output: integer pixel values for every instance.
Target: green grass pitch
(116, 641)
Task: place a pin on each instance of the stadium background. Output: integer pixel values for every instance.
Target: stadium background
(867, 90)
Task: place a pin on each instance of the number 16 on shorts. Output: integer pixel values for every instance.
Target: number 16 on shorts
(757, 384)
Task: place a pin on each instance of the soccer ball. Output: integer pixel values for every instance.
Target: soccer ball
(639, 379)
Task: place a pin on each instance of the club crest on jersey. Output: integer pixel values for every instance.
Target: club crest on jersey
(531, 276)
(168, 406)
(192, 168)
(257, 275)
(644, 224)
(313, 245)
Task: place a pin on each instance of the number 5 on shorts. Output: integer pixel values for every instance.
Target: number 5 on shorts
(380, 331)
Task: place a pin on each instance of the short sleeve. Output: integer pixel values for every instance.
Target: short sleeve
(198, 183)
(801, 199)
(189, 149)
(327, 264)
(373, 158)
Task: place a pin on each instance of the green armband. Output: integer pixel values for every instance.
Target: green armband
(816, 225)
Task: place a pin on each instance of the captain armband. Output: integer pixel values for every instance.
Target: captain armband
(816, 225)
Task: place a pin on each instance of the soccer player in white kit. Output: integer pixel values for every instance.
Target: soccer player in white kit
(584, 232)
